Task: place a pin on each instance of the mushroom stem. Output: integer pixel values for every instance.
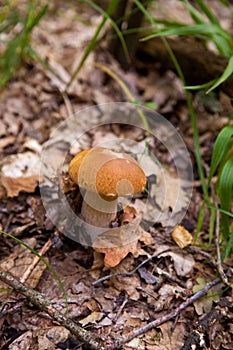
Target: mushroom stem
(98, 212)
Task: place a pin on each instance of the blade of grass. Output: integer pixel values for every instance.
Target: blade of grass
(228, 248)
(225, 193)
(106, 16)
(207, 11)
(195, 14)
(200, 220)
(226, 74)
(221, 147)
(189, 103)
(55, 275)
(125, 89)
(200, 87)
(15, 50)
(202, 30)
(222, 211)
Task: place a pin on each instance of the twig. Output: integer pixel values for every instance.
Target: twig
(130, 273)
(217, 237)
(169, 277)
(174, 313)
(43, 304)
(36, 260)
(125, 301)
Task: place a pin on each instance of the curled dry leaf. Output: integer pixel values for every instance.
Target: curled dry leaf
(20, 172)
(181, 236)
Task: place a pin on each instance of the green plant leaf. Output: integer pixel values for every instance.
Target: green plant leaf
(207, 11)
(226, 74)
(228, 248)
(225, 193)
(203, 30)
(221, 148)
(201, 86)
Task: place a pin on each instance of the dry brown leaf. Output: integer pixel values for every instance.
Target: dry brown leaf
(181, 236)
(24, 341)
(115, 253)
(20, 172)
(183, 263)
(92, 318)
(19, 261)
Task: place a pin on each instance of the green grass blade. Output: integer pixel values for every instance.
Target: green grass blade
(222, 211)
(228, 248)
(202, 30)
(207, 11)
(33, 19)
(194, 13)
(115, 27)
(221, 148)
(225, 193)
(189, 103)
(93, 41)
(57, 278)
(201, 217)
(224, 46)
(201, 86)
(226, 74)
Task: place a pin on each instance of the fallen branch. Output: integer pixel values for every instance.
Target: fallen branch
(43, 304)
(174, 313)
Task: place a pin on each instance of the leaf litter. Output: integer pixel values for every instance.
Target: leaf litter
(30, 109)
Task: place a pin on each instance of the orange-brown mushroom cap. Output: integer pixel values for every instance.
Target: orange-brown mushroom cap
(109, 173)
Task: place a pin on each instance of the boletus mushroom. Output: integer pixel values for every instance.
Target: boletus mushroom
(104, 175)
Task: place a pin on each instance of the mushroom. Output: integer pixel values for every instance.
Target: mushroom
(102, 176)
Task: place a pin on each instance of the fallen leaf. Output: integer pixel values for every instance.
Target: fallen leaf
(113, 243)
(181, 236)
(148, 277)
(20, 172)
(20, 260)
(204, 304)
(183, 263)
(92, 318)
(24, 341)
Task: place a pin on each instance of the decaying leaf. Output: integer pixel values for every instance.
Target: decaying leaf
(183, 263)
(181, 236)
(24, 341)
(20, 260)
(204, 304)
(94, 317)
(20, 172)
(118, 242)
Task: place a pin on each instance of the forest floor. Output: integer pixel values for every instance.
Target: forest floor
(32, 106)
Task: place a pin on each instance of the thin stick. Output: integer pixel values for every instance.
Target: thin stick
(217, 236)
(36, 260)
(130, 273)
(172, 314)
(217, 240)
(43, 304)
